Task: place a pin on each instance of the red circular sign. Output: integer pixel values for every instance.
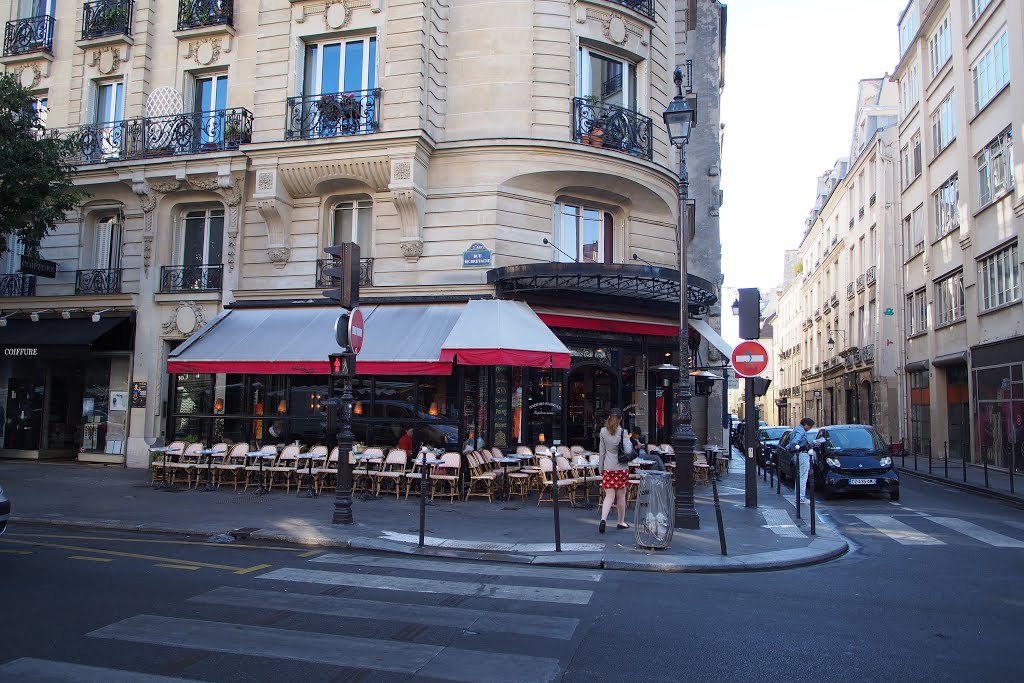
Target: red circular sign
(749, 359)
(355, 331)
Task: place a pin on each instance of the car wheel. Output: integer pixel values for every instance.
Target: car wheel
(894, 495)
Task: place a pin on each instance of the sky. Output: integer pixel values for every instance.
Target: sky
(791, 73)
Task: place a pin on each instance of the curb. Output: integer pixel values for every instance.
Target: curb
(969, 488)
(819, 550)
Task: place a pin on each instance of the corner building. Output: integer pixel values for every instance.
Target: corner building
(225, 144)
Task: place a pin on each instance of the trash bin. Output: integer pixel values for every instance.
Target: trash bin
(655, 512)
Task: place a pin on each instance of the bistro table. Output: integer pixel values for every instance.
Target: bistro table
(163, 484)
(208, 452)
(261, 456)
(505, 460)
(640, 462)
(367, 495)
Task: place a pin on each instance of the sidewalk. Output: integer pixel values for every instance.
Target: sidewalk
(996, 483)
(99, 497)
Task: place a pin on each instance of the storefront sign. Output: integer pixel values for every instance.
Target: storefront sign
(501, 406)
(477, 256)
(139, 394)
(544, 408)
(38, 267)
(589, 354)
(21, 351)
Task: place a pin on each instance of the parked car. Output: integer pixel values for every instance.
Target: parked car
(5, 509)
(767, 441)
(852, 458)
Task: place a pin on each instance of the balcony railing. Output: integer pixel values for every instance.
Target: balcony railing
(365, 273)
(867, 353)
(835, 299)
(826, 306)
(871, 275)
(860, 283)
(34, 34)
(817, 314)
(161, 136)
(205, 278)
(611, 127)
(332, 115)
(17, 284)
(644, 7)
(860, 212)
(198, 13)
(849, 291)
(107, 18)
(851, 222)
(873, 199)
(98, 281)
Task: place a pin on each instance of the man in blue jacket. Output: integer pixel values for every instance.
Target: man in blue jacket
(800, 443)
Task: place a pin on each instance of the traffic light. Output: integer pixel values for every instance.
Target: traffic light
(750, 313)
(343, 271)
(342, 365)
(761, 385)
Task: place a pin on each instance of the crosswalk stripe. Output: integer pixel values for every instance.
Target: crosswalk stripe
(1019, 525)
(898, 531)
(481, 621)
(432, 661)
(415, 585)
(28, 670)
(474, 568)
(978, 533)
(781, 523)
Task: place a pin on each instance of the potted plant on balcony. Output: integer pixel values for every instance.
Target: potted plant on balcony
(330, 109)
(232, 134)
(598, 119)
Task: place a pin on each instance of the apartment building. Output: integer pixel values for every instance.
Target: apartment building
(962, 213)
(838, 335)
(510, 155)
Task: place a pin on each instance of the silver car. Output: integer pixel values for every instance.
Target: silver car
(5, 509)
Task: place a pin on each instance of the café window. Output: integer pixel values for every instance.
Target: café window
(583, 234)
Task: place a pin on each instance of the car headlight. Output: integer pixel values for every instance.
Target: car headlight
(833, 462)
(885, 462)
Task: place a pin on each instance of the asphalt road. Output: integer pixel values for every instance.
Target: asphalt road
(931, 591)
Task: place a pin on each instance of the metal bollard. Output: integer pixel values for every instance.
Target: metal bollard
(963, 461)
(929, 461)
(810, 499)
(718, 511)
(984, 465)
(554, 490)
(796, 484)
(778, 476)
(945, 458)
(771, 473)
(424, 488)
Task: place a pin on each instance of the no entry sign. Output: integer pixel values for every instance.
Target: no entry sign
(749, 359)
(355, 331)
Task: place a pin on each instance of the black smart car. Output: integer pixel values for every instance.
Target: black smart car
(855, 458)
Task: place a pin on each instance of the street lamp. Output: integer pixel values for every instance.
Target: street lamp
(831, 343)
(736, 308)
(679, 118)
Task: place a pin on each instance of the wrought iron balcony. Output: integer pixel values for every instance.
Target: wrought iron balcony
(867, 353)
(872, 275)
(826, 306)
(851, 222)
(161, 136)
(98, 281)
(849, 291)
(796, 391)
(34, 34)
(107, 18)
(817, 314)
(835, 299)
(611, 127)
(873, 199)
(17, 284)
(330, 115)
(860, 212)
(199, 13)
(204, 278)
(365, 273)
(644, 7)
(860, 283)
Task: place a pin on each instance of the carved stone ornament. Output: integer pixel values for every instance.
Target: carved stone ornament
(29, 76)
(615, 27)
(204, 51)
(185, 320)
(412, 249)
(615, 30)
(279, 255)
(106, 59)
(336, 15)
(265, 179)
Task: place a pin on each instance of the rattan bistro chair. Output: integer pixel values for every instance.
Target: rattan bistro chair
(307, 464)
(391, 472)
(174, 450)
(328, 474)
(448, 473)
(186, 464)
(232, 465)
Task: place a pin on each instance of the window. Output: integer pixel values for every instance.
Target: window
(944, 124)
(949, 299)
(352, 221)
(946, 199)
(107, 235)
(36, 8)
(108, 112)
(917, 231)
(872, 312)
(11, 262)
(584, 234)
(920, 414)
(977, 7)
(908, 29)
(999, 277)
(873, 246)
(910, 90)
(940, 47)
(917, 313)
(991, 73)
(995, 168)
(915, 145)
(211, 99)
(333, 68)
(606, 80)
(202, 238)
(41, 106)
(862, 329)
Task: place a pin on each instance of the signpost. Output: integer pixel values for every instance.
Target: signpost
(749, 359)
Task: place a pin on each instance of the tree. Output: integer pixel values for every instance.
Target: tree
(37, 185)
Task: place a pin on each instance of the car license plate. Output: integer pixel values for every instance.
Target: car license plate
(855, 482)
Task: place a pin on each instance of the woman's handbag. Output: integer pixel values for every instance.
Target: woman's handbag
(624, 456)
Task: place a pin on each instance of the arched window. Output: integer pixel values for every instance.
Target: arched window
(583, 233)
(352, 221)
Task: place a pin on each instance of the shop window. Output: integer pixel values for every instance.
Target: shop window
(920, 414)
(584, 234)
(1000, 409)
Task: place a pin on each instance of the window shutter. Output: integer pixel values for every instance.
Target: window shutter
(101, 243)
(609, 226)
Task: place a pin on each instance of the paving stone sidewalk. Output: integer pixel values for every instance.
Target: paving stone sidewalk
(105, 497)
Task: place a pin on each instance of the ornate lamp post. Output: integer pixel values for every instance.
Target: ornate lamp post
(679, 119)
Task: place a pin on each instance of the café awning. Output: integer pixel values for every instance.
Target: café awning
(399, 339)
(499, 332)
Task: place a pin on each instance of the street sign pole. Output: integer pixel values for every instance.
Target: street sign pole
(749, 359)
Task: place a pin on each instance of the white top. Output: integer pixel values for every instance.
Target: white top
(609, 449)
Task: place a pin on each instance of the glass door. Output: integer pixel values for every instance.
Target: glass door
(337, 76)
(210, 105)
(109, 112)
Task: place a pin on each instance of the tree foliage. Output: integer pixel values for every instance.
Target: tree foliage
(36, 176)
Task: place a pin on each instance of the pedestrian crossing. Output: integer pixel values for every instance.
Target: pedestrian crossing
(364, 615)
(917, 529)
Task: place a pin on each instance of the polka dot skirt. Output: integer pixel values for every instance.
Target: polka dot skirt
(614, 479)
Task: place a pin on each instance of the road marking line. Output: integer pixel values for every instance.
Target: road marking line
(310, 553)
(1018, 525)
(781, 523)
(481, 621)
(415, 585)
(978, 533)
(898, 531)
(29, 669)
(159, 541)
(475, 568)
(11, 551)
(190, 567)
(255, 568)
(117, 553)
(410, 659)
(90, 559)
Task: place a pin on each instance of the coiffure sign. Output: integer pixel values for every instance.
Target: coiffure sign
(21, 351)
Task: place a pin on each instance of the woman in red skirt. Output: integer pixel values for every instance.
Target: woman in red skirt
(614, 475)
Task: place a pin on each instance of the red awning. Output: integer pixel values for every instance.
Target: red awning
(496, 332)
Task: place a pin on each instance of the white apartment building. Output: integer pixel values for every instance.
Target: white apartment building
(962, 212)
(838, 335)
(507, 152)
